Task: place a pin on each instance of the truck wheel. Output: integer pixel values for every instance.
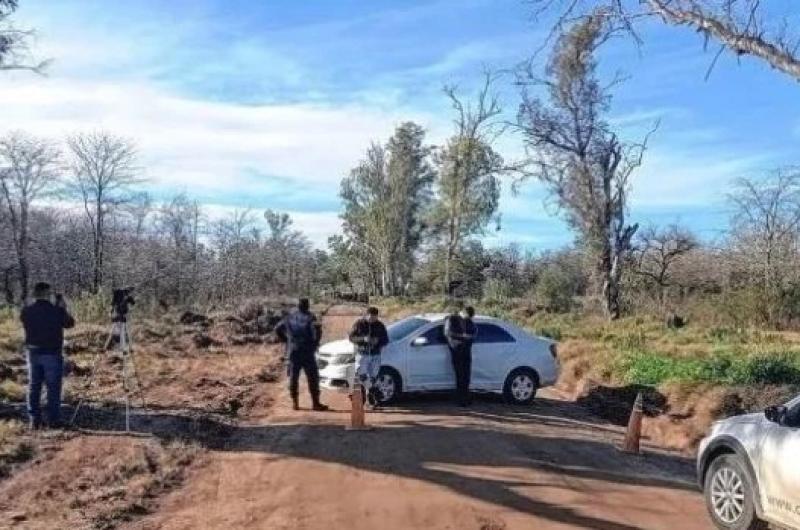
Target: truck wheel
(521, 386)
(730, 496)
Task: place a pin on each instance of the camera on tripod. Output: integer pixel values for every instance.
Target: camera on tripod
(121, 300)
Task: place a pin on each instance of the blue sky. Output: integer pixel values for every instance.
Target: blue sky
(267, 104)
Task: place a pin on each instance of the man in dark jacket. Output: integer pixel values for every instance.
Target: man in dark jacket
(459, 330)
(44, 323)
(302, 334)
(369, 336)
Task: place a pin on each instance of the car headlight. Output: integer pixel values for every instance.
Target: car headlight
(347, 358)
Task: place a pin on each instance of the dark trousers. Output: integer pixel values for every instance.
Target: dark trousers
(461, 356)
(45, 368)
(308, 364)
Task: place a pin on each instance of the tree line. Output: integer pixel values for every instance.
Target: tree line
(414, 214)
(76, 215)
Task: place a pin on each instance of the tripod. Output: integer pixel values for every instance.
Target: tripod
(130, 378)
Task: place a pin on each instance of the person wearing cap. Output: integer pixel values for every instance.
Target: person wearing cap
(369, 336)
(44, 322)
(302, 334)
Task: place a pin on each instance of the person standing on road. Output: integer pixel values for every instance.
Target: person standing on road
(302, 334)
(470, 332)
(44, 323)
(460, 344)
(369, 336)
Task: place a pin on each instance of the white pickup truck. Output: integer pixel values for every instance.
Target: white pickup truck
(749, 469)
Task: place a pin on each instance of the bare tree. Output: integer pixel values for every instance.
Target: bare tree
(744, 27)
(658, 250)
(573, 151)
(766, 228)
(15, 51)
(103, 170)
(467, 186)
(29, 169)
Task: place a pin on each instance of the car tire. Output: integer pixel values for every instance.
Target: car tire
(521, 386)
(730, 496)
(389, 378)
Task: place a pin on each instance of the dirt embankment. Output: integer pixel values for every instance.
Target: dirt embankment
(677, 416)
(199, 375)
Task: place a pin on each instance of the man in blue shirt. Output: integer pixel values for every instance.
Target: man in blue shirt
(44, 323)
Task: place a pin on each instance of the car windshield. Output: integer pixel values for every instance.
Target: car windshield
(402, 328)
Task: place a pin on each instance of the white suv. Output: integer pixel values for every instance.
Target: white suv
(749, 469)
(505, 359)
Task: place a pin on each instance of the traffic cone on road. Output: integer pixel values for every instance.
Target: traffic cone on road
(357, 422)
(634, 432)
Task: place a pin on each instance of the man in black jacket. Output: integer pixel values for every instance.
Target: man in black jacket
(460, 331)
(44, 323)
(369, 337)
(302, 334)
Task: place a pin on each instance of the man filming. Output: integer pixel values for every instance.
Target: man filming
(44, 323)
(369, 337)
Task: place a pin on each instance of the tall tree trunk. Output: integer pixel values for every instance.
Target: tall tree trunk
(8, 290)
(98, 249)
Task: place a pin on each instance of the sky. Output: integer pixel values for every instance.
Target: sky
(268, 104)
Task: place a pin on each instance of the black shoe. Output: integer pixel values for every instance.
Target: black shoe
(319, 407)
(295, 404)
(35, 425)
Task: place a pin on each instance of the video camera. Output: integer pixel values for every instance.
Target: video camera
(121, 301)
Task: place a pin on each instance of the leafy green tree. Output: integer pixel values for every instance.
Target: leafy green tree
(467, 182)
(384, 198)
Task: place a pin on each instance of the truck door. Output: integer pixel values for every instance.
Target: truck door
(779, 470)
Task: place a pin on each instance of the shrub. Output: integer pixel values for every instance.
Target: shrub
(551, 332)
(555, 289)
(767, 369)
(11, 391)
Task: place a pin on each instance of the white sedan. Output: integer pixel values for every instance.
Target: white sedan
(505, 359)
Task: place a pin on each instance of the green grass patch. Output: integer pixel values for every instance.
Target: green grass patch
(654, 368)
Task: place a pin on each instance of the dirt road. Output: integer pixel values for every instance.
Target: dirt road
(427, 464)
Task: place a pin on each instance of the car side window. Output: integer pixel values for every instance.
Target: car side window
(435, 336)
(492, 334)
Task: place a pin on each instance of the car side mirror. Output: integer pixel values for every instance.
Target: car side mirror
(775, 414)
(419, 341)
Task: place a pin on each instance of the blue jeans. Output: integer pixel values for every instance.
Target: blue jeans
(48, 368)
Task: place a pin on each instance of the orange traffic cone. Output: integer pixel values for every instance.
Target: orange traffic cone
(357, 422)
(634, 433)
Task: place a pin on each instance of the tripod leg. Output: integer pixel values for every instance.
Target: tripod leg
(134, 370)
(86, 388)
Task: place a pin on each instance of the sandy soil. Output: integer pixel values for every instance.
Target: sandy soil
(427, 464)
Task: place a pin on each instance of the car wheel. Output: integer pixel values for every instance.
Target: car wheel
(521, 386)
(390, 385)
(729, 495)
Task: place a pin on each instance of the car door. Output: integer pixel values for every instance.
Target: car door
(492, 347)
(429, 365)
(779, 470)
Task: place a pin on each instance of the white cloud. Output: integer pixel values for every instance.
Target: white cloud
(201, 145)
